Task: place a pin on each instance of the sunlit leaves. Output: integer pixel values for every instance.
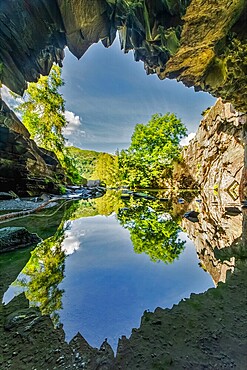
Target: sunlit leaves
(154, 147)
(43, 115)
(106, 169)
(43, 111)
(44, 272)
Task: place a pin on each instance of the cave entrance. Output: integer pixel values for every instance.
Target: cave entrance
(107, 94)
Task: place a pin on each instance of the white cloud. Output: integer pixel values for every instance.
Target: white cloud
(72, 118)
(185, 141)
(74, 124)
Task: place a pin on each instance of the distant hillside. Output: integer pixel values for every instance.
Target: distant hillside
(85, 160)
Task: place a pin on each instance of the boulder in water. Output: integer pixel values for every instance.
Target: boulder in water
(12, 238)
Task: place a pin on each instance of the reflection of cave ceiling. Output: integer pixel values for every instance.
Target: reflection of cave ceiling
(201, 42)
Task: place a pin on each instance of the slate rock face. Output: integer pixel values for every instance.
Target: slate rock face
(215, 157)
(25, 168)
(32, 38)
(213, 47)
(85, 22)
(216, 230)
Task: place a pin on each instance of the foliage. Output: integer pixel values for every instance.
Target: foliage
(109, 203)
(106, 169)
(43, 111)
(43, 115)
(95, 165)
(152, 232)
(70, 167)
(84, 160)
(154, 147)
(45, 271)
(83, 208)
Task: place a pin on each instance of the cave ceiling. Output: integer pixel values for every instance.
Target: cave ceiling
(202, 43)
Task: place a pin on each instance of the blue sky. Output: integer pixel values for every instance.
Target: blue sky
(107, 93)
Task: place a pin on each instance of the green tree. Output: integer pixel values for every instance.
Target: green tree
(106, 169)
(154, 147)
(43, 115)
(84, 160)
(43, 111)
(44, 272)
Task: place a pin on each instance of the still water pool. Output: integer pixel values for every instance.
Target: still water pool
(107, 286)
(95, 279)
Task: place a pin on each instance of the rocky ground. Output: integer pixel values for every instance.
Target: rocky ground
(9, 203)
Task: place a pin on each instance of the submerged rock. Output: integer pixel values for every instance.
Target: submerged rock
(12, 238)
(232, 211)
(144, 196)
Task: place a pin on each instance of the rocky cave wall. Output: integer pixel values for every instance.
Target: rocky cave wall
(200, 42)
(25, 168)
(215, 157)
(219, 227)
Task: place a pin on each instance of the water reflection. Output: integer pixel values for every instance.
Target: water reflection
(42, 275)
(103, 287)
(219, 227)
(107, 286)
(87, 277)
(152, 230)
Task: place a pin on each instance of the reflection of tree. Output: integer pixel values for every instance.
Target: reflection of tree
(152, 232)
(109, 203)
(82, 208)
(44, 272)
(45, 269)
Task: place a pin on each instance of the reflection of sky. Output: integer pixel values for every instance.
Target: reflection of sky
(14, 289)
(110, 93)
(108, 286)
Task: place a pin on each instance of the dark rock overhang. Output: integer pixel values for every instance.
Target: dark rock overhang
(200, 42)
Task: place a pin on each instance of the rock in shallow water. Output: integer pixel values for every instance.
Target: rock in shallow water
(12, 238)
(4, 195)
